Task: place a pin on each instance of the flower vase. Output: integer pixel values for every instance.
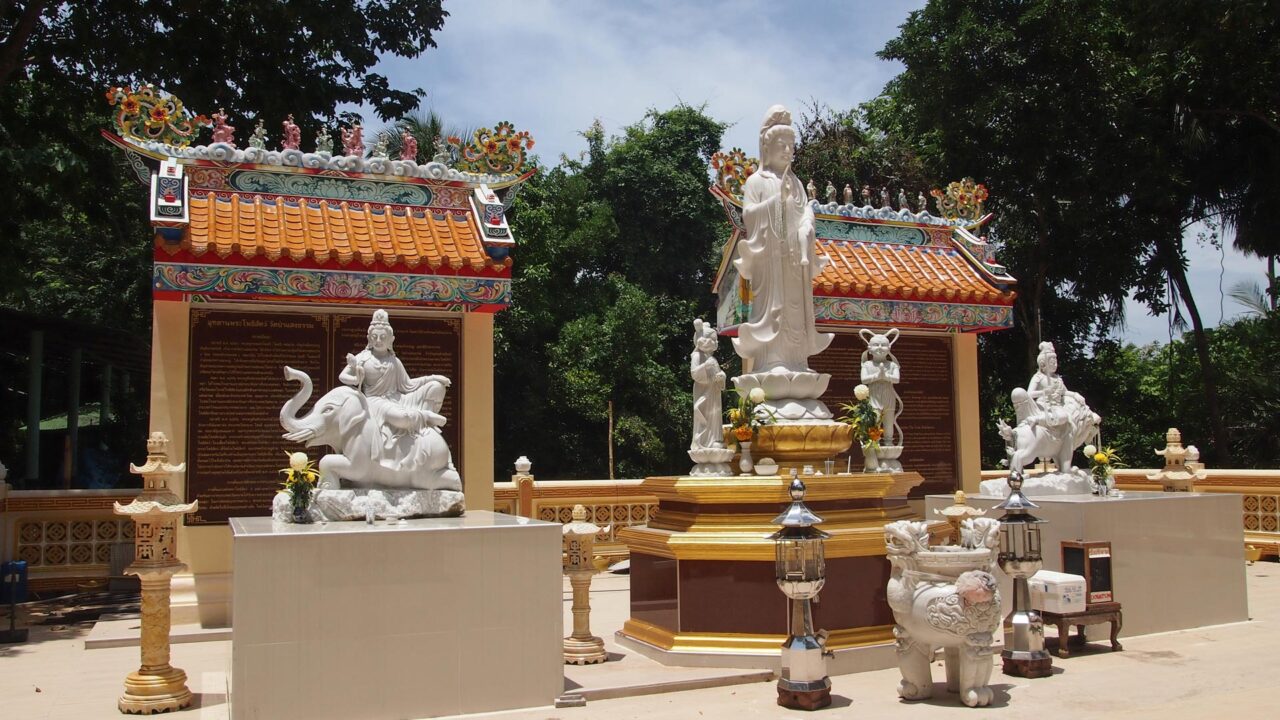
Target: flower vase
(745, 464)
(301, 508)
(870, 459)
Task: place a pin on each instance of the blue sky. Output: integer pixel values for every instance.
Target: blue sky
(555, 67)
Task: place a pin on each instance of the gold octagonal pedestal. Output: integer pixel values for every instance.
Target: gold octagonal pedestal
(702, 570)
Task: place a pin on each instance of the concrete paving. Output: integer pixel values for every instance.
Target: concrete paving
(1223, 671)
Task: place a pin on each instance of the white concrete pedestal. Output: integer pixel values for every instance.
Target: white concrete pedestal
(423, 618)
(1176, 558)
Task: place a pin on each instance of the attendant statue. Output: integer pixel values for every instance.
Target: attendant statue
(408, 146)
(866, 196)
(848, 194)
(903, 203)
(880, 372)
(831, 192)
(258, 139)
(324, 142)
(222, 132)
(708, 384)
(779, 258)
(922, 205)
(1052, 422)
(291, 135)
(707, 448)
(353, 140)
(884, 198)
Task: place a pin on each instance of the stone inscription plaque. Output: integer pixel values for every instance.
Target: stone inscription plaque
(928, 414)
(237, 385)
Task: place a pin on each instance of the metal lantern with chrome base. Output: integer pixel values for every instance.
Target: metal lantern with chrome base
(1024, 654)
(801, 573)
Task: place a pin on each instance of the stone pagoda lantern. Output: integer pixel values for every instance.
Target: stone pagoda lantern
(156, 686)
(581, 647)
(957, 513)
(1181, 469)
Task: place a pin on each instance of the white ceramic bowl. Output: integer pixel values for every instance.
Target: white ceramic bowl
(766, 466)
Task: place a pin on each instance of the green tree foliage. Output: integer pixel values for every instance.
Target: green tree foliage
(73, 241)
(1104, 129)
(842, 148)
(617, 254)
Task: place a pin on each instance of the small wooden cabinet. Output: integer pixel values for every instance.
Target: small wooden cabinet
(1092, 561)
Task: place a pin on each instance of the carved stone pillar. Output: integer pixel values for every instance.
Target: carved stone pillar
(155, 686)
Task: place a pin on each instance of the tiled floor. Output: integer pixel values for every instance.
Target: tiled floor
(1218, 672)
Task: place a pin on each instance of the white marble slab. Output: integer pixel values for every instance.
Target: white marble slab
(421, 618)
(1177, 558)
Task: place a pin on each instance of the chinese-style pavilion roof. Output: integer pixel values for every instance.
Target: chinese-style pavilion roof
(887, 268)
(255, 223)
(333, 232)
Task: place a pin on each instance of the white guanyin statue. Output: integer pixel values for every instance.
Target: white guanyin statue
(880, 372)
(779, 258)
(390, 457)
(1052, 422)
(707, 449)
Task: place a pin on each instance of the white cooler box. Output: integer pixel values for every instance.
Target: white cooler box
(1057, 592)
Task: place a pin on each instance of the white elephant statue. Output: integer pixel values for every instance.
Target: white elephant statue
(944, 596)
(373, 454)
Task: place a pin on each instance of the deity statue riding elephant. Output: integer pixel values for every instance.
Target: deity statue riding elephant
(944, 596)
(371, 452)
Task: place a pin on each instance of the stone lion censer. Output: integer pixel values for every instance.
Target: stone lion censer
(390, 459)
(944, 596)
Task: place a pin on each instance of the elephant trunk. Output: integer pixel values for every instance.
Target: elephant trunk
(289, 412)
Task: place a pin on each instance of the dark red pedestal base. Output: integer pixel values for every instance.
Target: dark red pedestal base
(1028, 668)
(804, 699)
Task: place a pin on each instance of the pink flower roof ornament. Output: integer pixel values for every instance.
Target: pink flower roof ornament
(292, 138)
(222, 132)
(408, 146)
(353, 140)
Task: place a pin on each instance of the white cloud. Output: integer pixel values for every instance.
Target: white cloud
(553, 68)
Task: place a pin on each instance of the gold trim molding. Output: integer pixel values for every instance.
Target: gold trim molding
(744, 643)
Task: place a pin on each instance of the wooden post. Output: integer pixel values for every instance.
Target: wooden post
(610, 439)
(35, 378)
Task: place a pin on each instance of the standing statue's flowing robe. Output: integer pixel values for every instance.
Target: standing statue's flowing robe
(708, 382)
(780, 334)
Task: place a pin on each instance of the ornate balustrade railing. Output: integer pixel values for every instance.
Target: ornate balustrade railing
(67, 537)
(1260, 491)
(613, 503)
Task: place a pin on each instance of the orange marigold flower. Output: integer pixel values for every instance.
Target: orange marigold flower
(875, 433)
(743, 433)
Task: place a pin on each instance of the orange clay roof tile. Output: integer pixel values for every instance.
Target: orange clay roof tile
(278, 229)
(907, 271)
